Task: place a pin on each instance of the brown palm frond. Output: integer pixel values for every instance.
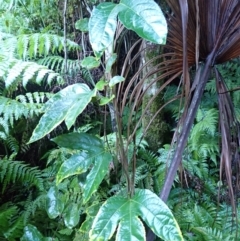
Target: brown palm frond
(218, 23)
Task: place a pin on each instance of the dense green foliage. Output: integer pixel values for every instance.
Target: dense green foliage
(74, 164)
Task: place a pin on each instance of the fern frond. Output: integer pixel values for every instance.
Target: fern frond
(15, 230)
(211, 234)
(57, 63)
(12, 171)
(32, 206)
(38, 44)
(28, 71)
(12, 144)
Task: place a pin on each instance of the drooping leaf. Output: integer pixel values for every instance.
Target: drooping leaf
(102, 26)
(123, 213)
(82, 24)
(96, 175)
(80, 141)
(75, 165)
(59, 107)
(90, 62)
(71, 215)
(55, 204)
(115, 80)
(145, 18)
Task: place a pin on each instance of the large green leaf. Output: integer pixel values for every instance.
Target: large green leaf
(66, 104)
(96, 175)
(75, 165)
(123, 212)
(55, 204)
(145, 18)
(80, 141)
(102, 25)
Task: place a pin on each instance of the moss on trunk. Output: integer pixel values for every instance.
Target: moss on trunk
(158, 128)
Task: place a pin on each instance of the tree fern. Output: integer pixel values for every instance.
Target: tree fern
(13, 171)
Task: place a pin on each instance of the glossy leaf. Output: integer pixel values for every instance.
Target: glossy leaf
(96, 175)
(115, 80)
(90, 62)
(80, 141)
(31, 233)
(82, 24)
(71, 215)
(122, 213)
(75, 165)
(80, 103)
(102, 26)
(55, 204)
(145, 18)
(59, 107)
